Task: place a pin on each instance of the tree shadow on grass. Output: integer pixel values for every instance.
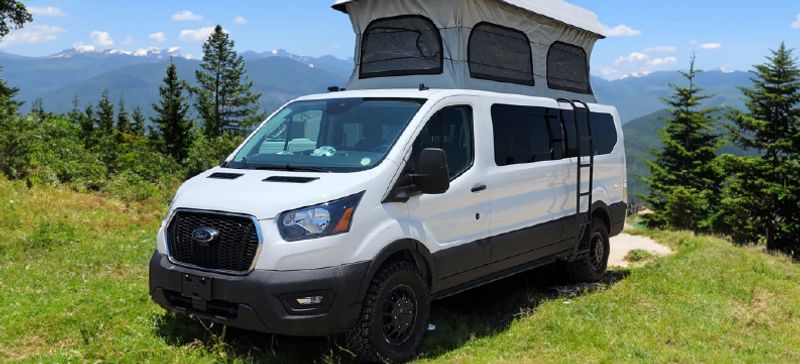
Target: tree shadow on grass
(483, 311)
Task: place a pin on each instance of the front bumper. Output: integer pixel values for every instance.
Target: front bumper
(263, 301)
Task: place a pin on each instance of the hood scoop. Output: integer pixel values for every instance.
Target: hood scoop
(220, 175)
(287, 179)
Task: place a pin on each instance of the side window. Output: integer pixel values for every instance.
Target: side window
(568, 68)
(450, 129)
(522, 134)
(500, 54)
(404, 45)
(604, 133)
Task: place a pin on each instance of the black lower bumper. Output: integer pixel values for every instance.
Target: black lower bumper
(264, 301)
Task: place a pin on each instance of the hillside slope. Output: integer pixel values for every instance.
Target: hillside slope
(73, 287)
(641, 135)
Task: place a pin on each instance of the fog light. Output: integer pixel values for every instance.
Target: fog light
(310, 300)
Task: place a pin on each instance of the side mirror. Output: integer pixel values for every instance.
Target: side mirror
(432, 176)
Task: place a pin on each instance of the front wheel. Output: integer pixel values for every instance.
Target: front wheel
(591, 267)
(394, 316)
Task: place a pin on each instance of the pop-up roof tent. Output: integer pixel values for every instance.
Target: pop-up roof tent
(530, 47)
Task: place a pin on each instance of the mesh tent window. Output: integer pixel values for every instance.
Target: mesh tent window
(568, 68)
(400, 46)
(500, 54)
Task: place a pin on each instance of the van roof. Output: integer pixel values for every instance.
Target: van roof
(558, 10)
(439, 94)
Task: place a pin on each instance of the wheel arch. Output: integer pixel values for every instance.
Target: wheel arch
(600, 210)
(404, 249)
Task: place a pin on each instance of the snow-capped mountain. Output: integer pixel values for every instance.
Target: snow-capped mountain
(80, 49)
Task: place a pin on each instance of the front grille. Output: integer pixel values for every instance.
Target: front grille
(234, 250)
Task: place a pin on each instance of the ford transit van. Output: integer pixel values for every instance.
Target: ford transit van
(351, 211)
(468, 147)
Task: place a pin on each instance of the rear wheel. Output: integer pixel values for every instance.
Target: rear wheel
(591, 267)
(394, 316)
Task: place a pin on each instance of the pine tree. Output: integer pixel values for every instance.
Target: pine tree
(37, 109)
(225, 99)
(173, 126)
(8, 106)
(75, 113)
(15, 13)
(684, 176)
(762, 199)
(138, 121)
(105, 115)
(87, 125)
(123, 123)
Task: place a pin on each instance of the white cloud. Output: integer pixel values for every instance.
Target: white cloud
(796, 23)
(662, 61)
(128, 40)
(83, 48)
(101, 39)
(661, 49)
(240, 20)
(637, 64)
(186, 15)
(622, 30)
(158, 37)
(711, 45)
(32, 34)
(196, 35)
(46, 11)
(634, 57)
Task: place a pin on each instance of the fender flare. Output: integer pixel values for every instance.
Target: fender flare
(421, 255)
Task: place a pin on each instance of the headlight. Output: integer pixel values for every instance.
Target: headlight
(325, 219)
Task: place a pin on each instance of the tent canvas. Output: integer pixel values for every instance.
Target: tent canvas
(474, 44)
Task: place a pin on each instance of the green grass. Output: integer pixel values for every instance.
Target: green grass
(73, 287)
(638, 256)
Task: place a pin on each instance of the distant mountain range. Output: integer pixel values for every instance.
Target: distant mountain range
(56, 79)
(280, 76)
(636, 97)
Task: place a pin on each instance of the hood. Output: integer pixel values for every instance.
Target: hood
(266, 194)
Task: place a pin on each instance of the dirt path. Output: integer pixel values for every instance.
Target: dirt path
(622, 244)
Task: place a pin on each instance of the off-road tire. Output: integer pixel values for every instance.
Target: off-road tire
(367, 338)
(590, 267)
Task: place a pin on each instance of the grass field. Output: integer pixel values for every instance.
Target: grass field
(73, 287)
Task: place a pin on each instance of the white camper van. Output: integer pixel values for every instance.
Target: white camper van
(467, 147)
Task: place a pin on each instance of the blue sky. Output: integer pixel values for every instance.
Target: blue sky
(649, 35)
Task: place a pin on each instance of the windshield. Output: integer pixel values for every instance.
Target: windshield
(334, 135)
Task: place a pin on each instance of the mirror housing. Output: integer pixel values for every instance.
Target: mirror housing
(432, 176)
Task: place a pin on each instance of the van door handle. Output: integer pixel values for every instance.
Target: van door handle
(479, 187)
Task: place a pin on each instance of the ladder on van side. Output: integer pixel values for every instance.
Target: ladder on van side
(583, 218)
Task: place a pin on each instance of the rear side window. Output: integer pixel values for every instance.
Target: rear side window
(526, 134)
(568, 68)
(405, 45)
(604, 133)
(522, 134)
(450, 129)
(500, 54)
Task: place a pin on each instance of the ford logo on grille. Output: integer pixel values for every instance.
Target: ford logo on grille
(204, 236)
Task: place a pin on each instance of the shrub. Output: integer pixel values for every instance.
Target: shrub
(208, 152)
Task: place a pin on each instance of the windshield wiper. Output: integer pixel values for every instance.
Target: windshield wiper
(288, 167)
